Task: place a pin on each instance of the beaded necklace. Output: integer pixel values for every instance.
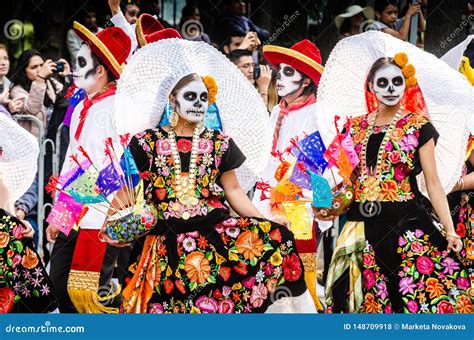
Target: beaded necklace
(372, 180)
(185, 184)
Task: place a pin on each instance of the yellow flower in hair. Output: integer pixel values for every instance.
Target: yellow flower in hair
(408, 71)
(212, 88)
(401, 59)
(411, 81)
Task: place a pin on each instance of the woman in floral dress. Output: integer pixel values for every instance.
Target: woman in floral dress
(461, 205)
(24, 284)
(390, 256)
(198, 258)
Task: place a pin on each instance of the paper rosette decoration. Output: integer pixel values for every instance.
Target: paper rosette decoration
(448, 97)
(153, 71)
(18, 158)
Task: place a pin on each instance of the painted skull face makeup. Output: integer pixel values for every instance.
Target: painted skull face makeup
(84, 70)
(389, 84)
(192, 101)
(289, 80)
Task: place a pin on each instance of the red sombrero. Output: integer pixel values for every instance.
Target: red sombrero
(149, 30)
(112, 45)
(303, 56)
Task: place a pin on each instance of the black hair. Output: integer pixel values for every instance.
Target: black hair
(20, 78)
(311, 88)
(235, 55)
(97, 62)
(186, 13)
(380, 5)
(346, 25)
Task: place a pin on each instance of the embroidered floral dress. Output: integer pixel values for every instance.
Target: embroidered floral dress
(211, 262)
(402, 258)
(24, 284)
(462, 211)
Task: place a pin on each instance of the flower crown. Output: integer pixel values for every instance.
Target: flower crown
(408, 70)
(212, 88)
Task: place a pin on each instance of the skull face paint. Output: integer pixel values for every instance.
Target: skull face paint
(84, 69)
(288, 81)
(192, 101)
(389, 84)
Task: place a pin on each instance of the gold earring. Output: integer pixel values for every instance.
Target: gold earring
(174, 117)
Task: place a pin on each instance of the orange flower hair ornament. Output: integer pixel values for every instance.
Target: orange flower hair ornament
(212, 88)
(408, 70)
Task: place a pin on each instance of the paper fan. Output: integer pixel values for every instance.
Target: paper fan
(448, 97)
(18, 158)
(153, 71)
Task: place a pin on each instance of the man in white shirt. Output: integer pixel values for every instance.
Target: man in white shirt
(293, 119)
(79, 261)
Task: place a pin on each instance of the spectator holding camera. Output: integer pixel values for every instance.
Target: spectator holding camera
(34, 85)
(258, 75)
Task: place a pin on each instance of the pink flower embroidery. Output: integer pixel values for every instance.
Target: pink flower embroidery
(205, 146)
(424, 265)
(407, 285)
(163, 147)
(408, 143)
(450, 265)
(259, 295)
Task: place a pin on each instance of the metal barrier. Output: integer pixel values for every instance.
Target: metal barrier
(56, 147)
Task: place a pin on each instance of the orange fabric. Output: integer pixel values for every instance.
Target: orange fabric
(147, 275)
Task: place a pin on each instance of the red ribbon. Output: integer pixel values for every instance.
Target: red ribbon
(87, 103)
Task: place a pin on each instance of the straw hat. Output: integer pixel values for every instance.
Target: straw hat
(354, 10)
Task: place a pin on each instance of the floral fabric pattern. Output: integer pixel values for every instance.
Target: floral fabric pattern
(23, 280)
(431, 281)
(212, 148)
(376, 298)
(245, 279)
(211, 263)
(399, 157)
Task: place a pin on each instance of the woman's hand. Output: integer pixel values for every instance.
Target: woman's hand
(67, 68)
(454, 243)
(29, 232)
(323, 215)
(48, 68)
(104, 237)
(263, 82)
(51, 233)
(15, 105)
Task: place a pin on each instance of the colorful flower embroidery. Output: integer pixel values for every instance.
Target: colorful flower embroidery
(399, 158)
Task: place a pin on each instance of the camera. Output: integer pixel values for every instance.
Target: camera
(59, 66)
(256, 72)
